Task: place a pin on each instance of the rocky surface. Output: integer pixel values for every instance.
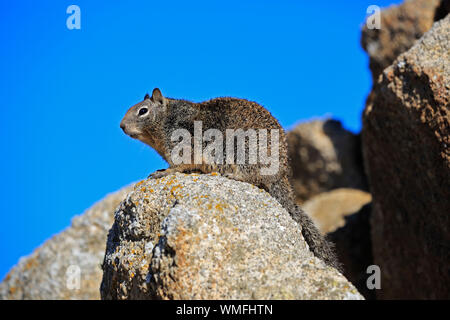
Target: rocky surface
(344, 215)
(324, 156)
(401, 27)
(328, 209)
(50, 271)
(354, 248)
(208, 237)
(406, 139)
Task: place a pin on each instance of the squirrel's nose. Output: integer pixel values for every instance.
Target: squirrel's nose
(122, 126)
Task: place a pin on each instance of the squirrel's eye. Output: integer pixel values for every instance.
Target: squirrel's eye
(143, 111)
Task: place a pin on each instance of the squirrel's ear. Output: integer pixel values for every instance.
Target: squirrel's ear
(146, 96)
(157, 96)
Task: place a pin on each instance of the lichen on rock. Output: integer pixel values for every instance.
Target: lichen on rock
(406, 139)
(208, 237)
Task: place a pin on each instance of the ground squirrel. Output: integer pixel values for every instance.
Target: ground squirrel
(155, 119)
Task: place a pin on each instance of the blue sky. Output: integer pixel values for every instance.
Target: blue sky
(63, 92)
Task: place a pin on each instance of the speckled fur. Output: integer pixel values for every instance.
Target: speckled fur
(223, 113)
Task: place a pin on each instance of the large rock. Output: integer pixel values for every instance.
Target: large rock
(406, 143)
(50, 272)
(324, 156)
(344, 214)
(354, 248)
(401, 26)
(208, 237)
(329, 209)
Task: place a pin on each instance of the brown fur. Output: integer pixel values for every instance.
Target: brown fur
(164, 115)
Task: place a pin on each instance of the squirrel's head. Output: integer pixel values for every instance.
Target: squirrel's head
(142, 121)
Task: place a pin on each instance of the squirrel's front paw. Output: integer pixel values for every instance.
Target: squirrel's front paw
(160, 173)
(234, 176)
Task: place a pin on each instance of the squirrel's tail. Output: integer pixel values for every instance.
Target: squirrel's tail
(318, 244)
